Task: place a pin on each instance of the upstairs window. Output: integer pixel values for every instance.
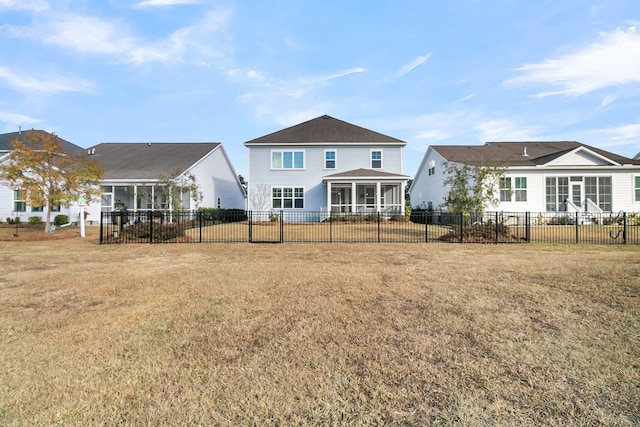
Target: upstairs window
(376, 159)
(287, 160)
(432, 167)
(329, 159)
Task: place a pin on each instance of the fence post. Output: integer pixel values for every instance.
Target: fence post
(200, 224)
(426, 227)
(496, 226)
(624, 228)
(101, 226)
(527, 227)
(330, 227)
(378, 227)
(281, 226)
(577, 229)
(151, 221)
(461, 231)
(250, 222)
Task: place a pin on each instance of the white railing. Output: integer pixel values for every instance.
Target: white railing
(591, 206)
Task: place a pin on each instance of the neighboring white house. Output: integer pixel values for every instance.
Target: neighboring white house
(12, 200)
(541, 176)
(135, 175)
(326, 165)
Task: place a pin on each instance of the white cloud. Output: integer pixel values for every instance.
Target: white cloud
(466, 98)
(164, 3)
(505, 130)
(87, 34)
(13, 120)
(51, 85)
(32, 5)
(612, 61)
(412, 65)
(91, 35)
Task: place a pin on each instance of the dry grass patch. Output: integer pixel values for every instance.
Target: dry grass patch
(318, 334)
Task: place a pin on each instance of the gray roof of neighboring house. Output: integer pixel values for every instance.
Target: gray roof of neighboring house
(366, 173)
(512, 153)
(637, 156)
(155, 160)
(7, 138)
(324, 129)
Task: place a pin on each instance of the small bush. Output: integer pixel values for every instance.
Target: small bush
(478, 233)
(15, 220)
(161, 232)
(562, 220)
(60, 220)
(35, 220)
(222, 215)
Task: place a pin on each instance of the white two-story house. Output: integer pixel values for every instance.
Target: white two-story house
(541, 176)
(324, 166)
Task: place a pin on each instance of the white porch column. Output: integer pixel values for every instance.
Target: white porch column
(402, 198)
(354, 197)
(378, 195)
(328, 197)
(135, 197)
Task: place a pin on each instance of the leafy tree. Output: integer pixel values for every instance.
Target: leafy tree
(472, 188)
(48, 175)
(174, 188)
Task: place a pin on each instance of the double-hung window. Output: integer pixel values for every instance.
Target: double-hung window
(521, 189)
(329, 159)
(637, 188)
(287, 197)
(376, 159)
(505, 189)
(19, 201)
(287, 160)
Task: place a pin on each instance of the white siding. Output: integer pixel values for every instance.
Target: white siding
(218, 180)
(429, 188)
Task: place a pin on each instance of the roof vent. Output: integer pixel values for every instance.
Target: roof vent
(524, 152)
(149, 144)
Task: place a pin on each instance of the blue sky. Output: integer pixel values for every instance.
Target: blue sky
(426, 72)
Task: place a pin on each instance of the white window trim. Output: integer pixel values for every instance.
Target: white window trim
(371, 158)
(335, 159)
(510, 188)
(525, 190)
(634, 188)
(293, 159)
(293, 198)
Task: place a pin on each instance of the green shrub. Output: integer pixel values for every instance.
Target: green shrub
(222, 215)
(60, 220)
(161, 232)
(35, 220)
(15, 220)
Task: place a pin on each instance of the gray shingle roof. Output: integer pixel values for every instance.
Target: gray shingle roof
(7, 138)
(511, 153)
(149, 160)
(366, 173)
(324, 129)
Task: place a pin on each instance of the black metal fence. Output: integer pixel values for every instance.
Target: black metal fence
(227, 226)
